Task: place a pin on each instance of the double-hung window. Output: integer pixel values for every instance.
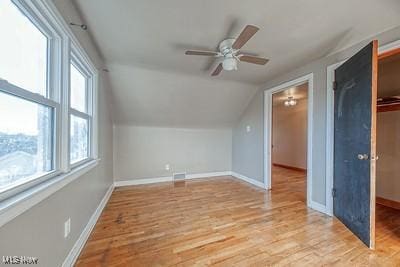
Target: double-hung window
(47, 89)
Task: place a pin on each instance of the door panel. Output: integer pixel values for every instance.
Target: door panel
(354, 143)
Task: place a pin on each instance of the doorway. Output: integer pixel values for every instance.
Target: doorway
(388, 147)
(268, 135)
(289, 141)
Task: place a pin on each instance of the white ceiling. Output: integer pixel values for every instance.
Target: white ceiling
(149, 38)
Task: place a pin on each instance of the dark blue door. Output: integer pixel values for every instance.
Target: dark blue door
(354, 143)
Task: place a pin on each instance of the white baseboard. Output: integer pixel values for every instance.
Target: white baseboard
(78, 246)
(143, 181)
(207, 174)
(318, 207)
(189, 176)
(169, 178)
(248, 180)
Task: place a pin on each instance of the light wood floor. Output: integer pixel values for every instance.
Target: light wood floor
(225, 222)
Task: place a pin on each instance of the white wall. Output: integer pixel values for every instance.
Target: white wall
(142, 152)
(39, 231)
(388, 149)
(290, 135)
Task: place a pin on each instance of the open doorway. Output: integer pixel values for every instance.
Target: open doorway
(388, 147)
(289, 141)
(268, 135)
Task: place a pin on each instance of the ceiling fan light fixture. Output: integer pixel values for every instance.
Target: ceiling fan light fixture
(290, 102)
(229, 63)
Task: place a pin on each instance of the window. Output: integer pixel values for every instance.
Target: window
(80, 117)
(46, 124)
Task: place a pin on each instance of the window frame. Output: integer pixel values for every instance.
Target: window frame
(62, 48)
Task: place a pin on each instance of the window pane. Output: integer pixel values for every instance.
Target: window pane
(79, 139)
(78, 90)
(23, 50)
(26, 140)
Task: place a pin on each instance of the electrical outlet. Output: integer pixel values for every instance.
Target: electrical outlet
(67, 227)
(167, 167)
(248, 128)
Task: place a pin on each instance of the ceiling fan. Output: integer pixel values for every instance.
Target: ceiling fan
(229, 50)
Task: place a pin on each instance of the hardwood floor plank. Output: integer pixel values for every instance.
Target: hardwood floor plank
(226, 222)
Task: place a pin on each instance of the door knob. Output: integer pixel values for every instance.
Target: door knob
(362, 156)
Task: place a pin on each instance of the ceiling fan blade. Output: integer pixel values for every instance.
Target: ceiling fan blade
(244, 36)
(201, 53)
(253, 59)
(217, 70)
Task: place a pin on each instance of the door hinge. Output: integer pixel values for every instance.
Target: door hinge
(333, 192)
(334, 85)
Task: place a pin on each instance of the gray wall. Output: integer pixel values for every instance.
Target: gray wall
(289, 134)
(247, 149)
(39, 231)
(142, 152)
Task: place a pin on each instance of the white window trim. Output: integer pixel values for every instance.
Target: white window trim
(46, 16)
(18, 204)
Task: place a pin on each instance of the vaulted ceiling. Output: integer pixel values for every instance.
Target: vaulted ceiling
(154, 83)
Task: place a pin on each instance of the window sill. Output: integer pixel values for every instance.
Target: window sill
(18, 204)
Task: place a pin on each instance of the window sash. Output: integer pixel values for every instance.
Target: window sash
(27, 95)
(39, 99)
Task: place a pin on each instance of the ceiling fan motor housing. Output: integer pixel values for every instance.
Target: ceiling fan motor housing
(229, 62)
(225, 47)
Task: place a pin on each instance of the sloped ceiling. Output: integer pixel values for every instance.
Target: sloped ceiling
(168, 99)
(154, 83)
